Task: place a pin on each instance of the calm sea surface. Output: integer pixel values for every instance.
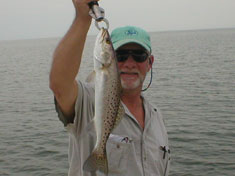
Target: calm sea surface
(193, 85)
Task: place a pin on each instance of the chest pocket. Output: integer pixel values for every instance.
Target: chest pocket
(163, 161)
(117, 151)
(165, 152)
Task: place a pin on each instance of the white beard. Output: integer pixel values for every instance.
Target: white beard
(130, 85)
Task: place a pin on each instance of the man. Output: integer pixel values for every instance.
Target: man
(138, 146)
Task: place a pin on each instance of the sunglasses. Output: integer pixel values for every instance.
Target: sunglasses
(138, 55)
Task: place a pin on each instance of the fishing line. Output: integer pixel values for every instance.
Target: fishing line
(151, 77)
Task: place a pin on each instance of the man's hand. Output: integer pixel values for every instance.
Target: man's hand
(82, 9)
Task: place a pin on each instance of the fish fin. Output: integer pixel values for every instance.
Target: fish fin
(120, 113)
(91, 77)
(95, 162)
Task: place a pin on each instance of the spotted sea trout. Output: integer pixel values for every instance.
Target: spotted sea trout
(108, 108)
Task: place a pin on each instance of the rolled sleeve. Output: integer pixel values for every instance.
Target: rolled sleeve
(84, 108)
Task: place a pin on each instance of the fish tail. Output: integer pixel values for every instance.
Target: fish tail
(95, 162)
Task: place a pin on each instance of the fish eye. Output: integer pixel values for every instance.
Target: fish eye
(108, 41)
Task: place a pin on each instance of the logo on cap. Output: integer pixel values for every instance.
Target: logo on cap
(131, 32)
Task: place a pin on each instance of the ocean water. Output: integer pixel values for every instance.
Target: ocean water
(193, 85)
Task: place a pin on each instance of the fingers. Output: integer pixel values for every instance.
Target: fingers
(82, 8)
(83, 1)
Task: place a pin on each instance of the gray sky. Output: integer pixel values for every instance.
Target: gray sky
(24, 19)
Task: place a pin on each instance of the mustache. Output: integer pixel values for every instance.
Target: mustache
(134, 71)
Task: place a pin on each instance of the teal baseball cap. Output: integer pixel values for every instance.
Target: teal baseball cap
(130, 34)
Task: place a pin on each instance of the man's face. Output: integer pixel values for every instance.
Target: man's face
(133, 73)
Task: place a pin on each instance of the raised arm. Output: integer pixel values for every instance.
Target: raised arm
(67, 59)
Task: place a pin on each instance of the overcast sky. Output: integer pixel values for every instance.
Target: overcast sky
(24, 19)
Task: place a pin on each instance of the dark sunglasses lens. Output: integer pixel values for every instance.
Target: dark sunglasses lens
(138, 55)
(122, 57)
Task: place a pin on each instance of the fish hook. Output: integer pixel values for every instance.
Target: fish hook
(98, 14)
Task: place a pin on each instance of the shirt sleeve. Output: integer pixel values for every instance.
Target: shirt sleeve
(84, 108)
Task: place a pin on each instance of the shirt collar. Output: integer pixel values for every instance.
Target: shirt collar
(147, 109)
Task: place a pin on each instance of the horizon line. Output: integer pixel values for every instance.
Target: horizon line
(160, 31)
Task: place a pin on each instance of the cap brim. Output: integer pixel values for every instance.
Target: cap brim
(120, 43)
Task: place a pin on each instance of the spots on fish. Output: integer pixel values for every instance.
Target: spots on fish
(109, 100)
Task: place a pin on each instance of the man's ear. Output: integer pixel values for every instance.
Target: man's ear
(151, 60)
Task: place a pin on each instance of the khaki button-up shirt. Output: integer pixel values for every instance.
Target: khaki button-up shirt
(131, 150)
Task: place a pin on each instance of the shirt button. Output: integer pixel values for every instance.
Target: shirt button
(145, 158)
(118, 146)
